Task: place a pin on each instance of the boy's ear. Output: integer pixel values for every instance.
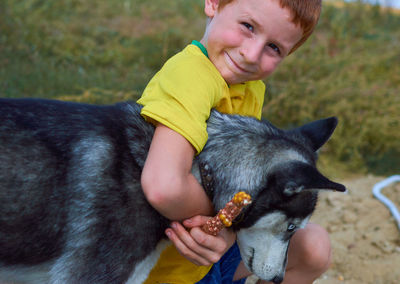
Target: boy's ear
(211, 7)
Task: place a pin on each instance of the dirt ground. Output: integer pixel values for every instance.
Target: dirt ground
(364, 235)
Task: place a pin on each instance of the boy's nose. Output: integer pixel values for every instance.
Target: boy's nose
(251, 51)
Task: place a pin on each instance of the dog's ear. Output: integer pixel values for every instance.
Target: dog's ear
(318, 132)
(301, 176)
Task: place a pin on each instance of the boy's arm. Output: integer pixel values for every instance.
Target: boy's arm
(173, 191)
(167, 181)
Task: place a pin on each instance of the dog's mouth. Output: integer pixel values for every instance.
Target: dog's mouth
(267, 272)
(251, 259)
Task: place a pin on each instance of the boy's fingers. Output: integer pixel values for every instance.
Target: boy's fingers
(213, 243)
(192, 249)
(187, 239)
(195, 221)
(184, 250)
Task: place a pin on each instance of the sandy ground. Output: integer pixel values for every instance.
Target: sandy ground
(364, 236)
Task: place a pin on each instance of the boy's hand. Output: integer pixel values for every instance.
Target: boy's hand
(196, 245)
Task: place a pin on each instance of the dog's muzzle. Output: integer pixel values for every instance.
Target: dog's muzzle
(277, 279)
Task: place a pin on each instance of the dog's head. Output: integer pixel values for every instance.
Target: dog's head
(277, 168)
(277, 212)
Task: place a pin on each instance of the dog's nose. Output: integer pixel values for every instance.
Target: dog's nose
(277, 279)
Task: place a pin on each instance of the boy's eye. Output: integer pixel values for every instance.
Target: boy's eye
(275, 48)
(248, 26)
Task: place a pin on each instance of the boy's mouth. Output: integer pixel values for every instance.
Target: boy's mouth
(235, 67)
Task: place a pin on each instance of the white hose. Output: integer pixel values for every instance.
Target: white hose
(377, 193)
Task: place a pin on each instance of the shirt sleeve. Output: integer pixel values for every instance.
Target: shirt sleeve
(181, 96)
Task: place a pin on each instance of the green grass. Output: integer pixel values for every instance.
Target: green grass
(106, 51)
(52, 48)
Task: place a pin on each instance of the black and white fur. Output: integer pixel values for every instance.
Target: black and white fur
(73, 211)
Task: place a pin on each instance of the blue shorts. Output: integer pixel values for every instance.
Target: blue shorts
(222, 272)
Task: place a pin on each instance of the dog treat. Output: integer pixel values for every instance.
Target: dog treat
(227, 214)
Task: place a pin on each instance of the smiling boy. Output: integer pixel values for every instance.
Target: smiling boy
(243, 43)
(246, 40)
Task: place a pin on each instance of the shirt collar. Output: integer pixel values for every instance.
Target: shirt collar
(201, 46)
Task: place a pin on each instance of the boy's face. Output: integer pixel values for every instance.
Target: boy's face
(247, 39)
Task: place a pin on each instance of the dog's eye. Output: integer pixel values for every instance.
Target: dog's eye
(291, 227)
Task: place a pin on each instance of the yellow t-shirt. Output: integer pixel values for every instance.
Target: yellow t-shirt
(181, 96)
(187, 87)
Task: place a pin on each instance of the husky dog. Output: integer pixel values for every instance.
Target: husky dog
(73, 211)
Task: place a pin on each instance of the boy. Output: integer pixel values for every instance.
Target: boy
(243, 43)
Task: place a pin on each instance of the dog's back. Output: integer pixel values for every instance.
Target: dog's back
(69, 177)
